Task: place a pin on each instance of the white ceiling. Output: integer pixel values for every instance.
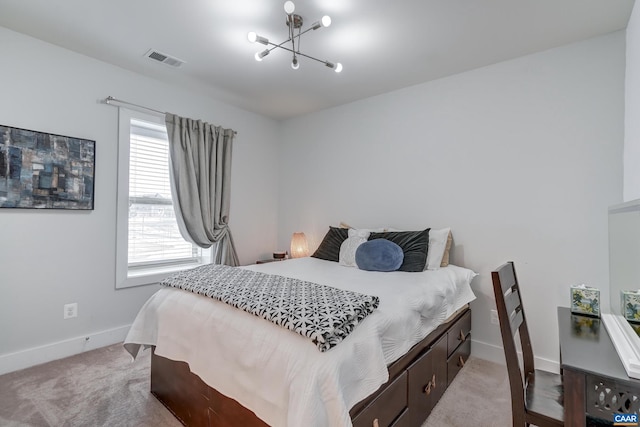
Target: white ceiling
(383, 45)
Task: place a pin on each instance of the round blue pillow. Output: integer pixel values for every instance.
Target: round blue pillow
(379, 255)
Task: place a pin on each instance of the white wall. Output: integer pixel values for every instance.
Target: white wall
(49, 258)
(632, 109)
(521, 159)
(430, 155)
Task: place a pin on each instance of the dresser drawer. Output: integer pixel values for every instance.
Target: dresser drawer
(459, 333)
(403, 420)
(420, 387)
(386, 408)
(427, 381)
(457, 360)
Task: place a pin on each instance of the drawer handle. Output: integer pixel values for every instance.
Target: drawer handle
(375, 423)
(461, 362)
(427, 389)
(462, 337)
(433, 381)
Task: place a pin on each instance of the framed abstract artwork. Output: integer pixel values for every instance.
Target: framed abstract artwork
(45, 171)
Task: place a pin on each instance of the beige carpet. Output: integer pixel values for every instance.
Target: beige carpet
(479, 396)
(97, 388)
(104, 388)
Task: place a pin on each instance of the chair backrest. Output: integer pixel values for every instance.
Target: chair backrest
(512, 320)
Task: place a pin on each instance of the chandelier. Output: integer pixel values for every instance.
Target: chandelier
(294, 22)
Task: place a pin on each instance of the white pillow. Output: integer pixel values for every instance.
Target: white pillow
(437, 246)
(349, 246)
(370, 230)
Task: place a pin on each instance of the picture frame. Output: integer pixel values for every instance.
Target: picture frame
(41, 170)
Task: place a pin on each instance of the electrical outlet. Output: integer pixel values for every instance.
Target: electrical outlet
(70, 310)
(494, 317)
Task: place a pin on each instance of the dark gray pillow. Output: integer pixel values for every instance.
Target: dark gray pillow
(379, 255)
(414, 244)
(329, 248)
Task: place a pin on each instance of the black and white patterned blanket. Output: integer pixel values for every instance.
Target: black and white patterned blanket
(324, 314)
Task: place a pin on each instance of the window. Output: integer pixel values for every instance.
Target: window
(149, 242)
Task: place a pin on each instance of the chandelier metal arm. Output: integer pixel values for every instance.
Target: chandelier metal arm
(304, 32)
(277, 45)
(290, 39)
(297, 53)
(291, 31)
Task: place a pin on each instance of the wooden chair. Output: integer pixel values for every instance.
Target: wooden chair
(536, 396)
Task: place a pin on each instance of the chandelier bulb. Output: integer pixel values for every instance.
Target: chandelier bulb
(260, 55)
(326, 21)
(338, 67)
(253, 37)
(289, 7)
(295, 64)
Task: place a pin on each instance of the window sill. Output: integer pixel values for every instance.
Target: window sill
(152, 275)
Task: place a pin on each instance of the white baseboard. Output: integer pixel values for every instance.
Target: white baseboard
(494, 353)
(35, 356)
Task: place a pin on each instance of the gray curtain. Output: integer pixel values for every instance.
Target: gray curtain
(200, 166)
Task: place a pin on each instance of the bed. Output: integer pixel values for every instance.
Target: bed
(213, 364)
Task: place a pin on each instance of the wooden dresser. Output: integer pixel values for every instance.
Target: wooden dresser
(408, 398)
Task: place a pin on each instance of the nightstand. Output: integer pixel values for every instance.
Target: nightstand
(264, 261)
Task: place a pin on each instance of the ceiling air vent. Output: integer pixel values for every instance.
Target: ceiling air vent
(164, 58)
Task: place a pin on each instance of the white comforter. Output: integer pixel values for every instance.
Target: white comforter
(280, 375)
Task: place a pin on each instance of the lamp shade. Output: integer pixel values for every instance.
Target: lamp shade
(299, 246)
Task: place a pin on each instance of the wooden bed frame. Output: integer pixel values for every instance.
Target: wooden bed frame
(416, 382)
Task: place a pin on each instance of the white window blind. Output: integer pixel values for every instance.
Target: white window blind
(153, 235)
